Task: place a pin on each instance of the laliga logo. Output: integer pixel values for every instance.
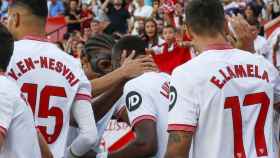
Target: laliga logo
(133, 100)
(172, 97)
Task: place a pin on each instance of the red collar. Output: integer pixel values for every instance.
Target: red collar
(219, 46)
(36, 38)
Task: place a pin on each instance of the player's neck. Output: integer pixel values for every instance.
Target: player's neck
(203, 43)
(36, 32)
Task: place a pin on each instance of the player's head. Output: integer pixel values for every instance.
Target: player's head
(27, 14)
(129, 44)
(98, 50)
(205, 18)
(6, 47)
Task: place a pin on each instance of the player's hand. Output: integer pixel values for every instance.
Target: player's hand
(135, 67)
(244, 34)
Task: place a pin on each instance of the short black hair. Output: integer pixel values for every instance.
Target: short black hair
(6, 47)
(99, 42)
(205, 17)
(130, 44)
(38, 8)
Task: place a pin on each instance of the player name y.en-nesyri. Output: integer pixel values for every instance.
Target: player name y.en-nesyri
(26, 65)
(238, 71)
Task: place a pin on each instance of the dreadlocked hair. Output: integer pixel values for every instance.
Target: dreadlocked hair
(99, 42)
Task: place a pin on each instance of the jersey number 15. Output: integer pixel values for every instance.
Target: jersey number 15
(44, 110)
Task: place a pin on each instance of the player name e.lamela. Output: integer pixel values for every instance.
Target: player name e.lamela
(26, 65)
(238, 71)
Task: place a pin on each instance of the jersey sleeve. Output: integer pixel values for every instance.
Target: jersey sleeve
(6, 113)
(183, 109)
(84, 90)
(139, 105)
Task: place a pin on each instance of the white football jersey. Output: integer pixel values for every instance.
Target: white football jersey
(16, 124)
(117, 108)
(267, 49)
(51, 80)
(101, 125)
(146, 98)
(226, 98)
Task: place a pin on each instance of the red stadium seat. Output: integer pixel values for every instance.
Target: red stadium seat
(56, 28)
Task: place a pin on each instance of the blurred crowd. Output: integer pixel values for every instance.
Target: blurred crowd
(159, 22)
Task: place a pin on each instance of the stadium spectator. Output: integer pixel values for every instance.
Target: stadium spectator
(171, 53)
(95, 27)
(87, 15)
(3, 8)
(118, 16)
(56, 8)
(151, 36)
(72, 16)
(143, 11)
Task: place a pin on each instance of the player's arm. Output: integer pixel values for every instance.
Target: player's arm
(83, 115)
(6, 115)
(104, 102)
(2, 140)
(45, 151)
(242, 35)
(271, 23)
(122, 115)
(183, 114)
(179, 144)
(130, 68)
(144, 145)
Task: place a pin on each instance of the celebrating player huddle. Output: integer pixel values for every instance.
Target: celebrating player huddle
(224, 103)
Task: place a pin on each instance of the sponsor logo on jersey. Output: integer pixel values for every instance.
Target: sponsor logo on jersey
(172, 97)
(133, 101)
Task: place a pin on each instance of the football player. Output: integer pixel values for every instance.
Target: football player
(221, 101)
(18, 136)
(146, 100)
(52, 81)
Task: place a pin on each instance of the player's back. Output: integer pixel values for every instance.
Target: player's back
(230, 94)
(146, 97)
(17, 124)
(51, 80)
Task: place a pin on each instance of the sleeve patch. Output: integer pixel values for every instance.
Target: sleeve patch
(133, 101)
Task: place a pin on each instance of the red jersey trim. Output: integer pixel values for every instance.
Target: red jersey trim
(219, 46)
(36, 38)
(181, 127)
(139, 119)
(3, 131)
(80, 96)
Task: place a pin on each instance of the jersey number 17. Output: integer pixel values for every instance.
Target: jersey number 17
(249, 100)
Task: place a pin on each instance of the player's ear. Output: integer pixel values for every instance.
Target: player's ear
(14, 20)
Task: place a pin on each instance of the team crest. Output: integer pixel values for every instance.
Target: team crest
(172, 97)
(133, 101)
